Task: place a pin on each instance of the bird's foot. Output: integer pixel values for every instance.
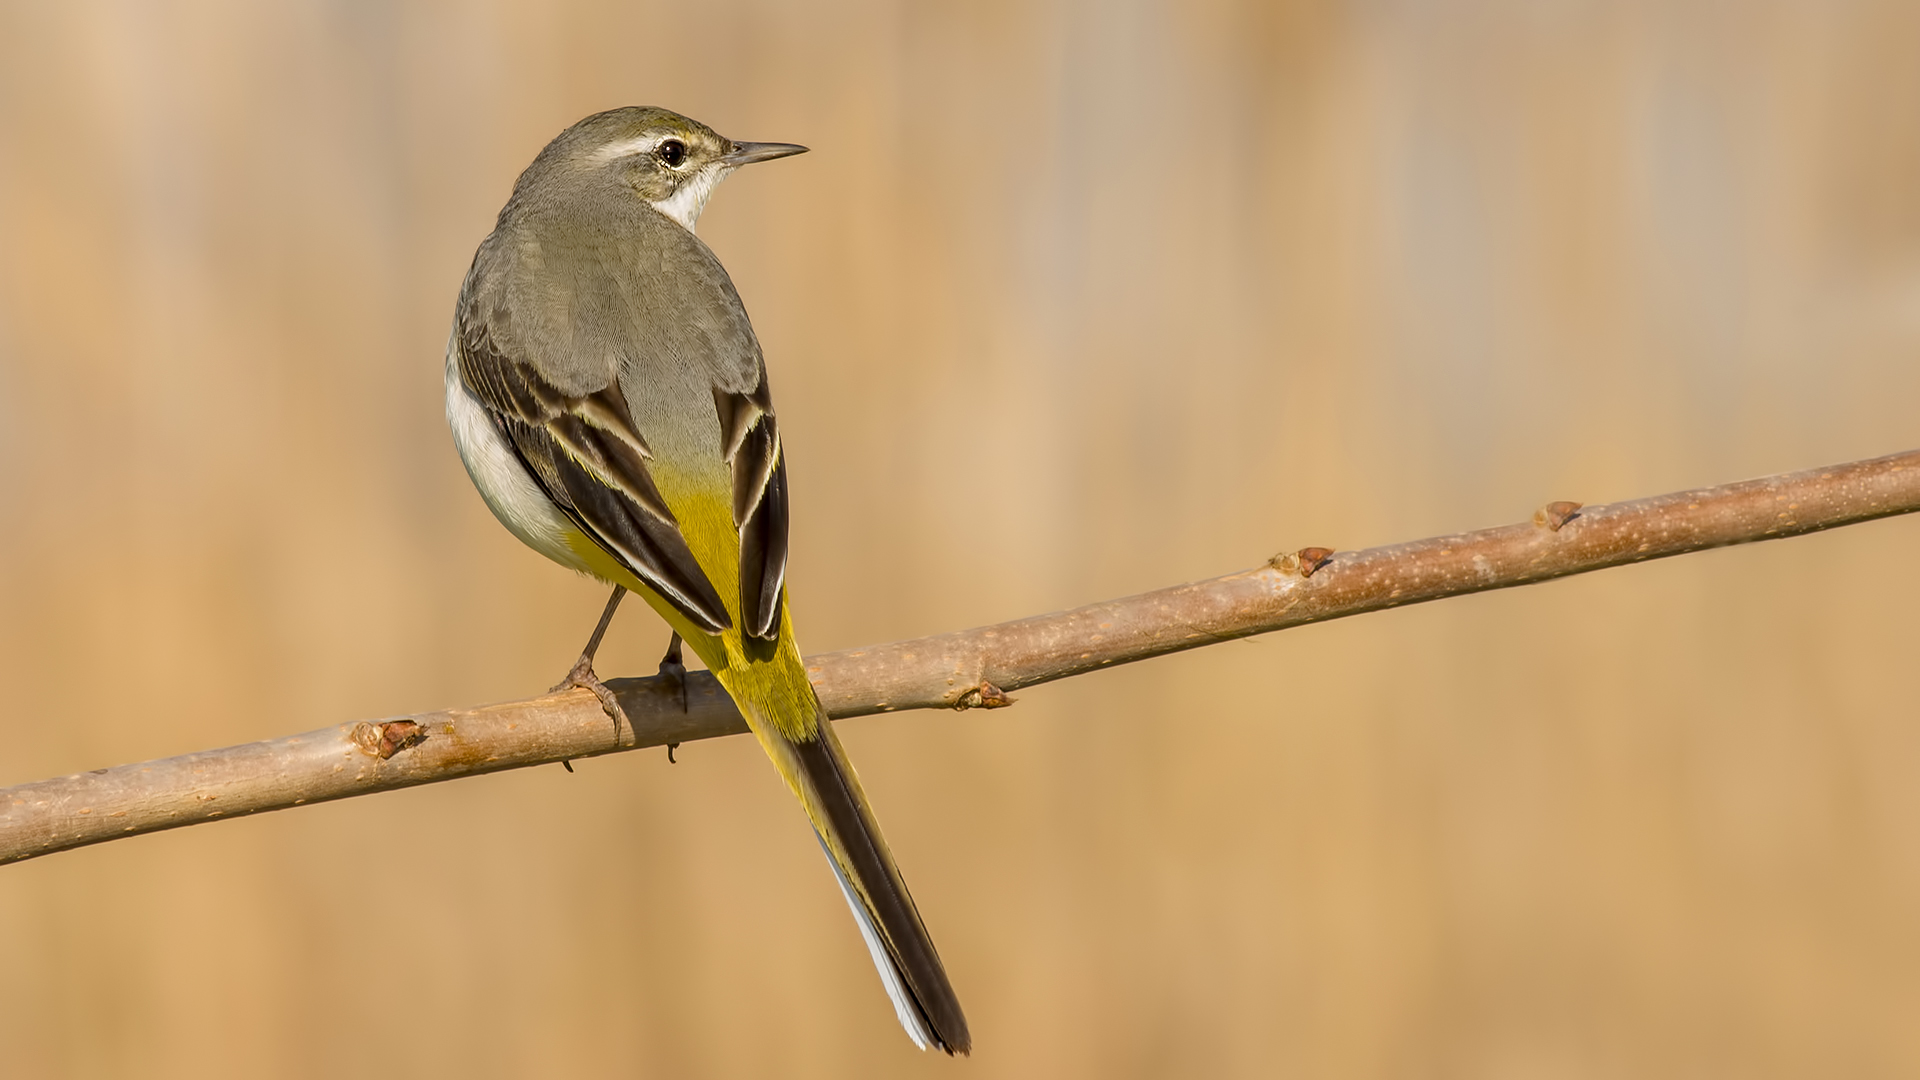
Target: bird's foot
(582, 676)
(674, 671)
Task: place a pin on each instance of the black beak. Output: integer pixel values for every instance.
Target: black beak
(746, 153)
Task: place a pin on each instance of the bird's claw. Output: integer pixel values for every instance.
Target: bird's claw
(671, 668)
(582, 677)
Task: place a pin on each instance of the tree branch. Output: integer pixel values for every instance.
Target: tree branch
(967, 669)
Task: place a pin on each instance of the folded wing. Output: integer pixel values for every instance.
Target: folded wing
(750, 439)
(592, 462)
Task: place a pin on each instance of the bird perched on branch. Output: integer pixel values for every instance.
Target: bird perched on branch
(609, 399)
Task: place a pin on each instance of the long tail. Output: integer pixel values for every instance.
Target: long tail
(780, 707)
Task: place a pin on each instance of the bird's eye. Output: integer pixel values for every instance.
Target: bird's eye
(672, 152)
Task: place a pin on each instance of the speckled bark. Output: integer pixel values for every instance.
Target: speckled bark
(966, 669)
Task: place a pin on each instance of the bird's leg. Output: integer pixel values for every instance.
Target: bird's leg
(672, 668)
(582, 673)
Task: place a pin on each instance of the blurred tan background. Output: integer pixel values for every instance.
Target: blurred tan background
(1069, 301)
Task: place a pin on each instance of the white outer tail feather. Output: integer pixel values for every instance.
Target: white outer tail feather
(904, 1005)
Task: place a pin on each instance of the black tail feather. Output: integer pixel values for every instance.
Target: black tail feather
(917, 980)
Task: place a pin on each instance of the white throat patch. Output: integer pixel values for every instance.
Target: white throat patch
(686, 202)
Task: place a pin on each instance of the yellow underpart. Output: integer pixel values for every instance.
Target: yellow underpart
(770, 688)
(773, 691)
(594, 559)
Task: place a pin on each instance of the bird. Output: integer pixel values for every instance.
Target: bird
(609, 399)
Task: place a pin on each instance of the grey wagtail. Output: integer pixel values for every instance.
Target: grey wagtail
(609, 399)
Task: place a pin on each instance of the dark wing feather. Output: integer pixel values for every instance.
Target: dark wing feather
(750, 443)
(592, 462)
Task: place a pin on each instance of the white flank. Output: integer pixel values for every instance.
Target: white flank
(509, 490)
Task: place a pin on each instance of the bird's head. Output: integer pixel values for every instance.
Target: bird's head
(670, 161)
